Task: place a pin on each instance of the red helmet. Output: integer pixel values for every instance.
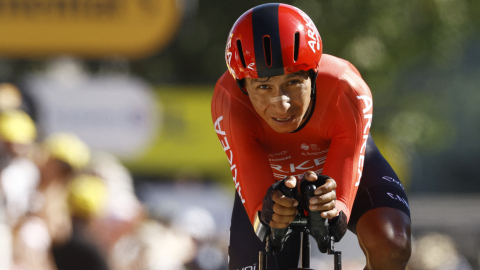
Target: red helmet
(271, 40)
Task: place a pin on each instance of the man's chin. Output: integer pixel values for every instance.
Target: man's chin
(283, 128)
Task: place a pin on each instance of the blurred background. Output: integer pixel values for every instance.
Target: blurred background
(109, 159)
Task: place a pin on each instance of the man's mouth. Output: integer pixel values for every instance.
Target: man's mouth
(282, 119)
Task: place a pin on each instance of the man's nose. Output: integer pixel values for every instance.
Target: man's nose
(281, 102)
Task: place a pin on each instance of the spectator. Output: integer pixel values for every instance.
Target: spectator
(10, 97)
(117, 228)
(18, 174)
(86, 200)
(48, 223)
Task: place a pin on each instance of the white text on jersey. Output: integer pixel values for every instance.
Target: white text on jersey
(368, 106)
(229, 152)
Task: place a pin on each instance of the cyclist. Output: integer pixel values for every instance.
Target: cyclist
(286, 113)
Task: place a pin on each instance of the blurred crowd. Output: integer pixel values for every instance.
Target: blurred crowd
(65, 206)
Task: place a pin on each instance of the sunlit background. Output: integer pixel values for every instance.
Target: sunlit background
(133, 80)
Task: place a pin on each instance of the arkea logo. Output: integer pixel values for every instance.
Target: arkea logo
(312, 32)
(228, 56)
(367, 101)
(226, 147)
(296, 170)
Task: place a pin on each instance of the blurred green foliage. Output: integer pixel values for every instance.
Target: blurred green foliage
(381, 38)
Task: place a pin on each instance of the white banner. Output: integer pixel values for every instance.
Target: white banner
(117, 114)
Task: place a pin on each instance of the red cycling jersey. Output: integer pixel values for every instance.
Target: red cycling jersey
(331, 143)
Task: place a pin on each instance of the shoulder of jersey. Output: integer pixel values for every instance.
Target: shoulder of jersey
(228, 84)
(333, 67)
(226, 80)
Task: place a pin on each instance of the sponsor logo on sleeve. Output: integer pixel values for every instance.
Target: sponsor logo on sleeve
(229, 152)
(367, 115)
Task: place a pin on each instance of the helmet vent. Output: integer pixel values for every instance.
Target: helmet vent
(296, 47)
(267, 47)
(240, 52)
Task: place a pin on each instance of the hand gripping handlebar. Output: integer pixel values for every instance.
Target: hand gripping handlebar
(318, 225)
(277, 235)
(308, 222)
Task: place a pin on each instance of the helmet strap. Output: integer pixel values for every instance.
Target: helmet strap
(313, 77)
(241, 84)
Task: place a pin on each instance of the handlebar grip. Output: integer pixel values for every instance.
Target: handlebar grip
(278, 234)
(288, 192)
(318, 224)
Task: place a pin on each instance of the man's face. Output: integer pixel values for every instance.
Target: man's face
(281, 101)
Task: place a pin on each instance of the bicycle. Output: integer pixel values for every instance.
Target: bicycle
(312, 224)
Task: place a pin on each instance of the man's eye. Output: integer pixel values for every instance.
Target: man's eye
(293, 82)
(263, 86)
